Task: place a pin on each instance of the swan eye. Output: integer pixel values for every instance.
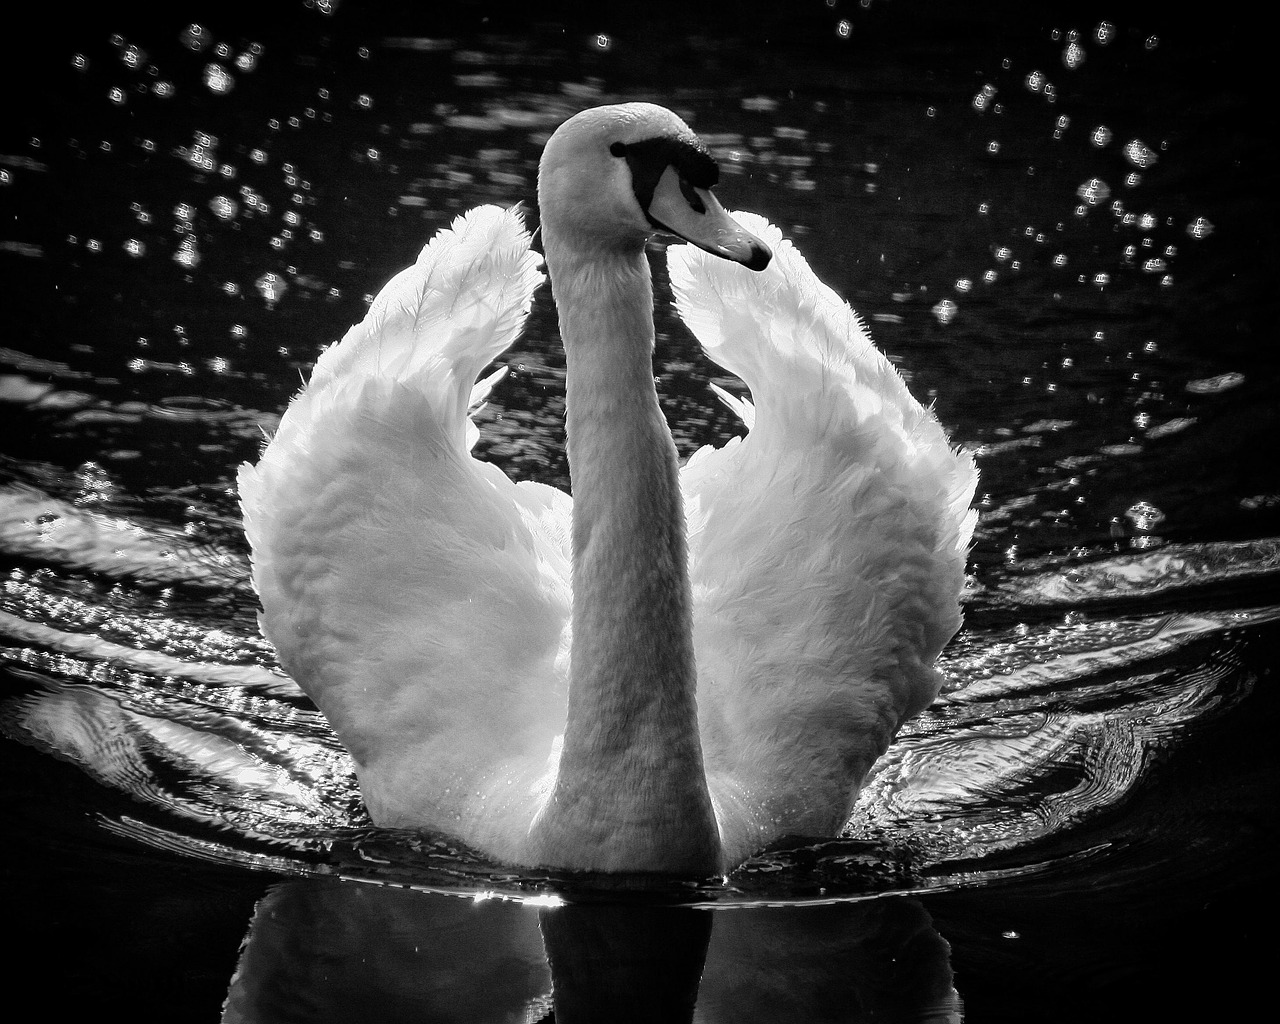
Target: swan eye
(618, 149)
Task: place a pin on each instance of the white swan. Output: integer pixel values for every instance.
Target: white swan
(798, 583)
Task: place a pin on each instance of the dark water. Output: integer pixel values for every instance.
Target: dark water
(1065, 242)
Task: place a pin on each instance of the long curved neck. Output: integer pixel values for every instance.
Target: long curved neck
(631, 792)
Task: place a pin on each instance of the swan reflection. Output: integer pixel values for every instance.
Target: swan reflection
(321, 950)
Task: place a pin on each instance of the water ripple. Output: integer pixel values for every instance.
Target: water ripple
(1043, 728)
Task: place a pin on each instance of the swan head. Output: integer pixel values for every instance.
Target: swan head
(611, 177)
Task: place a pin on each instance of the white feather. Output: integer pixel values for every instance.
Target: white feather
(826, 548)
(423, 599)
(418, 595)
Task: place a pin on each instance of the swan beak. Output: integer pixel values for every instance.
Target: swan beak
(695, 215)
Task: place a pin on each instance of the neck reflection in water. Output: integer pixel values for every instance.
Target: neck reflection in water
(321, 951)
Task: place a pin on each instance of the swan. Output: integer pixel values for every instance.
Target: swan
(679, 664)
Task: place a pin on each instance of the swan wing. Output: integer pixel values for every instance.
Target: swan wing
(827, 547)
(418, 596)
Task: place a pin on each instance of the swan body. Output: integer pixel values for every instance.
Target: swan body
(677, 665)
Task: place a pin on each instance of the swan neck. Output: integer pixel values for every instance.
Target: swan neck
(631, 771)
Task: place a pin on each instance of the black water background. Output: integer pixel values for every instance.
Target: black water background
(152, 935)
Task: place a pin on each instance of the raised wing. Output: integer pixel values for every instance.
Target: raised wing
(827, 547)
(418, 595)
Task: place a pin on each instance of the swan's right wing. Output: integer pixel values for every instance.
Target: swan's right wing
(827, 547)
(419, 596)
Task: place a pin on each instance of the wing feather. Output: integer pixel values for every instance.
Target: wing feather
(827, 547)
(419, 596)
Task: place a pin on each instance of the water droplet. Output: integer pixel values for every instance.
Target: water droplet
(195, 37)
(1200, 228)
(271, 287)
(218, 80)
(1144, 516)
(1139, 153)
(1094, 191)
(187, 254)
(224, 207)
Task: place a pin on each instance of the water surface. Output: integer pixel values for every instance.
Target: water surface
(1058, 226)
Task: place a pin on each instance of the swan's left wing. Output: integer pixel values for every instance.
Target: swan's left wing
(419, 596)
(827, 547)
